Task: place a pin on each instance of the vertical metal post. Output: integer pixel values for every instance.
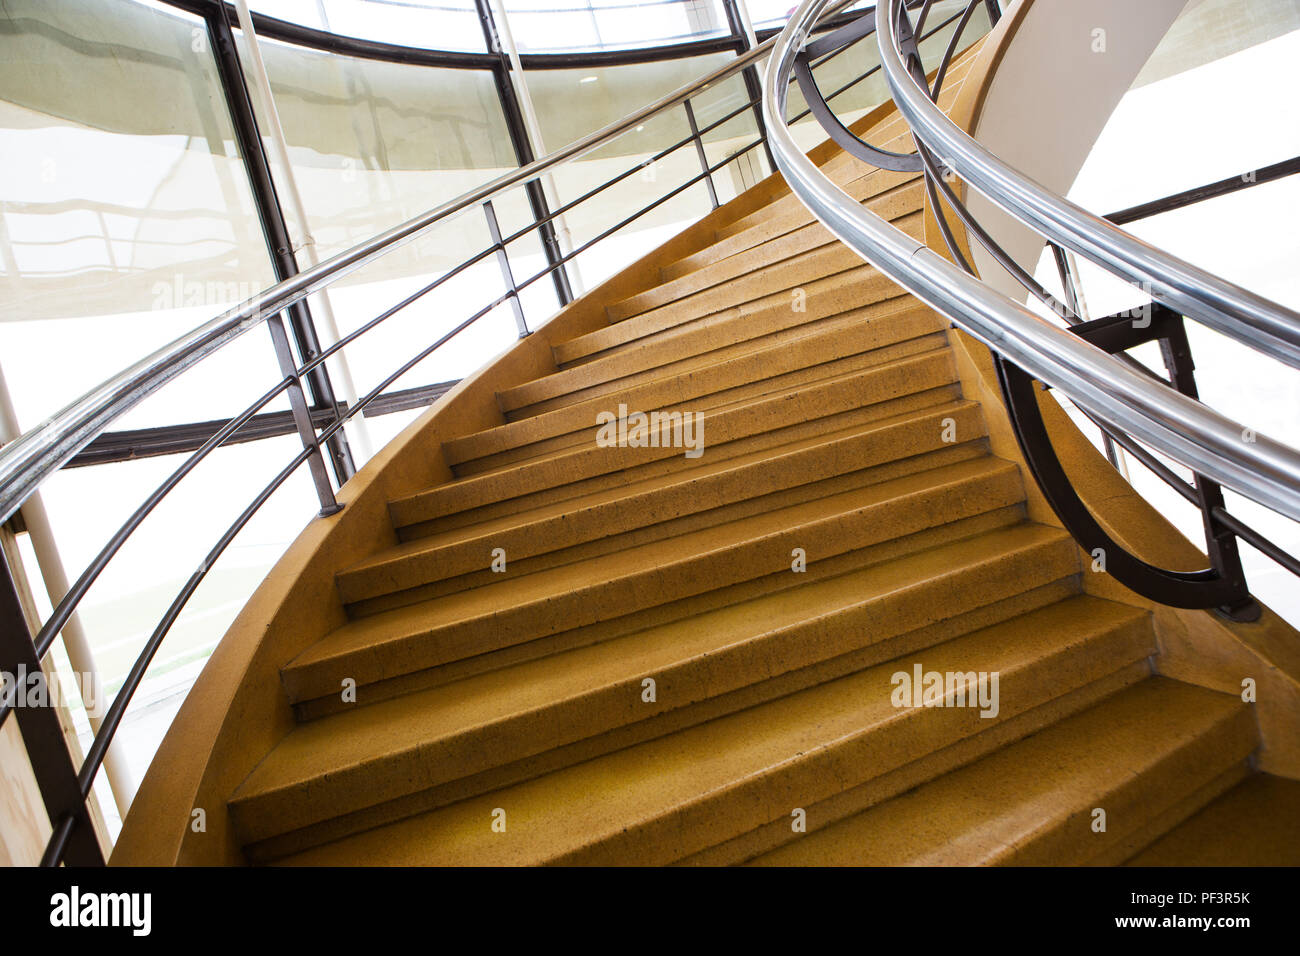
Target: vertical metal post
(503, 260)
(700, 153)
(338, 361)
(1074, 300)
(1221, 543)
(743, 27)
(271, 216)
(994, 10)
(518, 130)
(74, 841)
(302, 416)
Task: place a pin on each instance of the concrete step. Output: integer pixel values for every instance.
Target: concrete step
(892, 204)
(858, 294)
(771, 225)
(1255, 823)
(706, 384)
(666, 499)
(520, 608)
(778, 282)
(332, 766)
(764, 414)
(668, 798)
(1034, 802)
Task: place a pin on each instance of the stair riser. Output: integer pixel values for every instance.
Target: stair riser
(903, 201)
(666, 505)
(732, 333)
(415, 517)
(747, 848)
(716, 384)
(668, 526)
(851, 744)
(757, 388)
(828, 634)
(1136, 803)
(605, 353)
(465, 788)
(996, 520)
(862, 189)
(820, 401)
(685, 352)
(815, 776)
(826, 535)
(780, 276)
(776, 283)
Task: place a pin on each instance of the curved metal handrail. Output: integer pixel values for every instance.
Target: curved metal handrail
(26, 462)
(1211, 444)
(30, 459)
(1236, 312)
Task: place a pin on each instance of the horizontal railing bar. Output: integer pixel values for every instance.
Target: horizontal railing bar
(419, 357)
(1257, 541)
(112, 448)
(69, 601)
(117, 709)
(699, 177)
(165, 440)
(405, 399)
(393, 310)
(1198, 194)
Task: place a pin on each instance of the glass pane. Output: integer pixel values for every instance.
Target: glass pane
(553, 26)
(374, 144)
(426, 24)
(573, 102)
(125, 213)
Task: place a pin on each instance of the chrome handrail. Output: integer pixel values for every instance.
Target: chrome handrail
(27, 461)
(1238, 313)
(1209, 443)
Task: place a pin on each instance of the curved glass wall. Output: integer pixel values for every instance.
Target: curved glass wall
(555, 26)
(425, 24)
(143, 197)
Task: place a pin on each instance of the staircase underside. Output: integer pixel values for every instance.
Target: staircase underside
(695, 659)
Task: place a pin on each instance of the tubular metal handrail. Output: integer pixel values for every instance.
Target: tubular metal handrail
(1239, 313)
(1174, 424)
(30, 459)
(26, 462)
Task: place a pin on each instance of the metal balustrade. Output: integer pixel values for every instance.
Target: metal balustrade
(1135, 408)
(30, 460)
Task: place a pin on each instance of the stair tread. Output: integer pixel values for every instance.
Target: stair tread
(894, 203)
(643, 491)
(767, 320)
(771, 282)
(1257, 823)
(757, 415)
(355, 738)
(807, 732)
(985, 811)
(700, 379)
(542, 589)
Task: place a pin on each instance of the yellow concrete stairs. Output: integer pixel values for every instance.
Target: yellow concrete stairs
(694, 659)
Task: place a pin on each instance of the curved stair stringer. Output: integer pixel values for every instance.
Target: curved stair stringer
(236, 711)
